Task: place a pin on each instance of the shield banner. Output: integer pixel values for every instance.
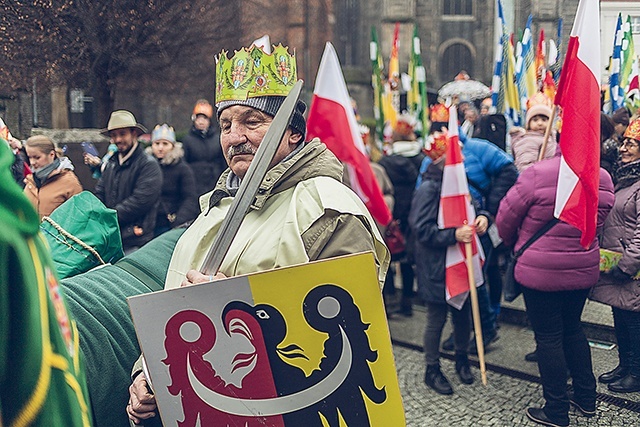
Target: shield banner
(304, 345)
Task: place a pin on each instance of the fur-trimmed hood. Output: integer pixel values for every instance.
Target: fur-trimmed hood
(171, 157)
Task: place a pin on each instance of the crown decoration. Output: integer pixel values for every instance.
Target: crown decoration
(439, 113)
(539, 98)
(436, 145)
(252, 72)
(633, 130)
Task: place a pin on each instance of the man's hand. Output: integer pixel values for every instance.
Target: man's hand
(464, 234)
(142, 404)
(194, 277)
(481, 223)
(91, 160)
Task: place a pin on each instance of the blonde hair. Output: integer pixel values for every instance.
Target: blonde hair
(42, 143)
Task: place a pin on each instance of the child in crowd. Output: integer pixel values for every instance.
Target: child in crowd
(527, 143)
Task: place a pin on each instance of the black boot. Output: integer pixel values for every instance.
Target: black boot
(628, 384)
(463, 369)
(616, 374)
(406, 306)
(435, 379)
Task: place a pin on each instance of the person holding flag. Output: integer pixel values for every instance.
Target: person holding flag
(558, 269)
(436, 219)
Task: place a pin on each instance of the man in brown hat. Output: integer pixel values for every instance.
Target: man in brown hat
(131, 181)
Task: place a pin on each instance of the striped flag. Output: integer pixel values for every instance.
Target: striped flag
(617, 93)
(497, 98)
(456, 210)
(392, 100)
(629, 66)
(376, 81)
(417, 96)
(556, 65)
(525, 72)
(579, 96)
(505, 92)
(331, 118)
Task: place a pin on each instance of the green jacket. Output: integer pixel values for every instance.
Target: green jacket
(42, 378)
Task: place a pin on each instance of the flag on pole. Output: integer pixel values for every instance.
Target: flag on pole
(392, 99)
(376, 81)
(579, 96)
(629, 66)
(505, 100)
(617, 93)
(456, 210)
(540, 62)
(331, 118)
(556, 65)
(417, 96)
(497, 98)
(526, 73)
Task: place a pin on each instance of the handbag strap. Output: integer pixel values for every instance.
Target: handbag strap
(536, 236)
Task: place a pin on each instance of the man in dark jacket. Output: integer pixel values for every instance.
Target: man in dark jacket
(202, 150)
(131, 182)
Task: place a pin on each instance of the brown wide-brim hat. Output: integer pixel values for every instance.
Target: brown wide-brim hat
(122, 119)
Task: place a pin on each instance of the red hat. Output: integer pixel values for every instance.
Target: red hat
(436, 145)
(202, 107)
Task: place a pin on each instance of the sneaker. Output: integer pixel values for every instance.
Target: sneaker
(537, 415)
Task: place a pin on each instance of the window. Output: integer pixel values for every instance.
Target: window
(457, 7)
(455, 58)
(347, 35)
(635, 24)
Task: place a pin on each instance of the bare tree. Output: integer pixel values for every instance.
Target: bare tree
(98, 44)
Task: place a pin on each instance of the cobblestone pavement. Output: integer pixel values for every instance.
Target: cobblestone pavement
(505, 398)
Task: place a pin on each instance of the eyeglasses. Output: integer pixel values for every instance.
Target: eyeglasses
(628, 144)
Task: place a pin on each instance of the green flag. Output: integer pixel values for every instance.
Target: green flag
(376, 81)
(417, 96)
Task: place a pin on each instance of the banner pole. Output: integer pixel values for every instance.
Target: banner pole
(475, 308)
(547, 133)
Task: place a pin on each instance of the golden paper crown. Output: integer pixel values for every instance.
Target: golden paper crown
(252, 72)
(539, 98)
(633, 130)
(439, 113)
(436, 145)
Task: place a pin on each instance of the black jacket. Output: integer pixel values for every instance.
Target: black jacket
(178, 199)
(203, 153)
(133, 190)
(403, 172)
(430, 242)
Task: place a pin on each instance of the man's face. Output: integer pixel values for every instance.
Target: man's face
(201, 122)
(123, 138)
(242, 130)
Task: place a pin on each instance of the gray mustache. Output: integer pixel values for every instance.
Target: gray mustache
(244, 148)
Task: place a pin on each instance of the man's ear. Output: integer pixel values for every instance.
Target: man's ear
(295, 138)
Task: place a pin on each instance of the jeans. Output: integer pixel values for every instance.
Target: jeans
(627, 326)
(436, 318)
(561, 344)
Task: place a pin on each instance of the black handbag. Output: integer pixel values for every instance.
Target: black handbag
(510, 288)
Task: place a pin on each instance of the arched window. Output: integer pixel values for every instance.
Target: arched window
(457, 7)
(455, 58)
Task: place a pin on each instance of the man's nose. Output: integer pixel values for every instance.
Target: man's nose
(237, 134)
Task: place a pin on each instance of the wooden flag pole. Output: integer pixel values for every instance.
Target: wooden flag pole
(547, 133)
(475, 308)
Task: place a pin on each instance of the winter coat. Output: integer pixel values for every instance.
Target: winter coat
(133, 190)
(178, 201)
(622, 234)
(526, 147)
(302, 213)
(402, 167)
(203, 154)
(60, 186)
(556, 261)
(430, 242)
(490, 172)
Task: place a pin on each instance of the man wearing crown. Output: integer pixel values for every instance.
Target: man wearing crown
(302, 211)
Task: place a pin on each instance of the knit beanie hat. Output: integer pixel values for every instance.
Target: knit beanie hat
(270, 105)
(537, 110)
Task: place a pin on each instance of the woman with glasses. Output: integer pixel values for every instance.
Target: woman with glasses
(619, 288)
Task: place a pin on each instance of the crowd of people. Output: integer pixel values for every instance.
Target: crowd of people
(512, 179)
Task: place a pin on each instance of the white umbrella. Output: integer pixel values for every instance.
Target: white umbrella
(465, 89)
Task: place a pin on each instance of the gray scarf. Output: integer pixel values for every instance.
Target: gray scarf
(41, 175)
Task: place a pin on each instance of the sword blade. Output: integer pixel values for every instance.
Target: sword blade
(251, 183)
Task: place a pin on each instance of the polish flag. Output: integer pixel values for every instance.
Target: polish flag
(456, 210)
(579, 96)
(331, 118)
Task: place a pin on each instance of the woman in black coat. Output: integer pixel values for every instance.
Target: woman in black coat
(178, 201)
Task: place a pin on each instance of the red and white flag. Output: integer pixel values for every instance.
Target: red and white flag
(331, 118)
(579, 96)
(456, 210)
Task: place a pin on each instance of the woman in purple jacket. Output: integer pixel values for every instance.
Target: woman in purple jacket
(556, 274)
(618, 288)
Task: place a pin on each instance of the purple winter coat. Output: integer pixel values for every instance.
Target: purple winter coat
(556, 261)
